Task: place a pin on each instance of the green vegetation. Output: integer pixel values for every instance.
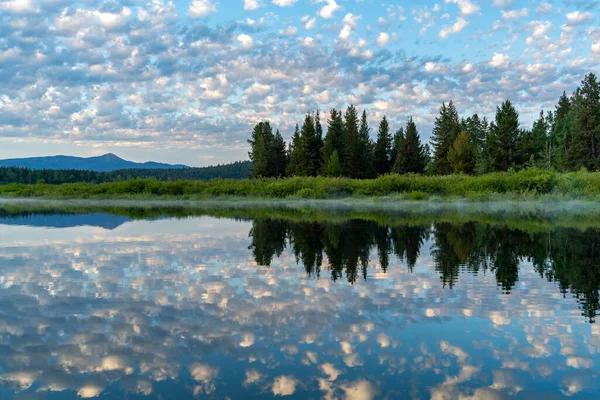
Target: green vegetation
(526, 184)
(236, 170)
(565, 140)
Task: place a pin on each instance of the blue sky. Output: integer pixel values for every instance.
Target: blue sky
(185, 81)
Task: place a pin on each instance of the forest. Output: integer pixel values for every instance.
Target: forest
(564, 139)
(236, 170)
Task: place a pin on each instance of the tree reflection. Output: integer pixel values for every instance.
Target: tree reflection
(569, 257)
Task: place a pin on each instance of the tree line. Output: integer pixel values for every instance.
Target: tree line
(564, 139)
(562, 255)
(236, 170)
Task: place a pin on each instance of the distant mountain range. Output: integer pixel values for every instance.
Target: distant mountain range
(106, 163)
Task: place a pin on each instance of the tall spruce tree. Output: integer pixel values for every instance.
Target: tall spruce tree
(414, 151)
(560, 133)
(364, 150)
(261, 143)
(584, 149)
(295, 153)
(352, 146)
(383, 148)
(462, 155)
(445, 130)
(278, 156)
(333, 166)
(537, 148)
(478, 128)
(335, 137)
(397, 149)
(504, 141)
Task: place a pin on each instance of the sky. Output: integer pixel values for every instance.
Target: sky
(185, 81)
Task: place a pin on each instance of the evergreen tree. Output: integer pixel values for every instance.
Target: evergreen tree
(397, 149)
(333, 167)
(445, 130)
(364, 151)
(261, 143)
(295, 153)
(335, 137)
(278, 156)
(414, 152)
(383, 148)
(504, 141)
(537, 142)
(560, 133)
(584, 149)
(352, 146)
(311, 158)
(462, 154)
(477, 128)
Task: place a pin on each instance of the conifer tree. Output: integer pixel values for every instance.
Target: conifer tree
(278, 155)
(295, 153)
(312, 160)
(335, 137)
(383, 148)
(560, 133)
(414, 151)
(445, 130)
(504, 141)
(351, 161)
(364, 150)
(584, 148)
(397, 149)
(333, 167)
(261, 143)
(462, 154)
(537, 142)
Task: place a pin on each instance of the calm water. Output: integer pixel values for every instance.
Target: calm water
(100, 305)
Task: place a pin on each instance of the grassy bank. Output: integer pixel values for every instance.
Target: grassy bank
(525, 184)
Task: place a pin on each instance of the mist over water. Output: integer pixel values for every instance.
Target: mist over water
(298, 303)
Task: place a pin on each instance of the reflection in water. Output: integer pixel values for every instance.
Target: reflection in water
(567, 256)
(180, 308)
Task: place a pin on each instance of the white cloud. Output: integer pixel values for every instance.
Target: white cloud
(596, 47)
(284, 386)
(328, 9)
(514, 14)
(18, 6)
(578, 17)
(350, 21)
(289, 31)
(458, 26)
(201, 8)
(311, 23)
(284, 3)
(246, 41)
(544, 8)
(466, 7)
(502, 3)
(499, 60)
(468, 67)
(253, 4)
(383, 39)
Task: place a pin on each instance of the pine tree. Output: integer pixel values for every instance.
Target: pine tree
(383, 148)
(260, 148)
(462, 154)
(584, 149)
(504, 141)
(537, 147)
(445, 131)
(333, 167)
(560, 133)
(295, 153)
(352, 147)
(278, 156)
(364, 150)
(397, 149)
(414, 152)
(335, 137)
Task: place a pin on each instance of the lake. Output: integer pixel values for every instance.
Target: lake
(298, 302)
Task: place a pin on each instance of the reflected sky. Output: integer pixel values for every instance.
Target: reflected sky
(187, 308)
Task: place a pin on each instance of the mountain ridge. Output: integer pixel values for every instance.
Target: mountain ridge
(105, 163)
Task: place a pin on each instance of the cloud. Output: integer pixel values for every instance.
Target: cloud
(466, 7)
(383, 39)
(596, 47)
(284, 3)
(251, 5)
(328, 9)
(458, 26)
(578, 17)
(499, 60)
(502, 3)
(201, 8)
(18, 6)
(246, 41)
(284, 386)
(512, 15)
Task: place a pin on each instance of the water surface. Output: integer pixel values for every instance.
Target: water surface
(243, 304)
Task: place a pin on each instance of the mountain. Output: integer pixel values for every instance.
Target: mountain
(105, 163)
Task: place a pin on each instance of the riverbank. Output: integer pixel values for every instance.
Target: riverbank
(529, 184)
